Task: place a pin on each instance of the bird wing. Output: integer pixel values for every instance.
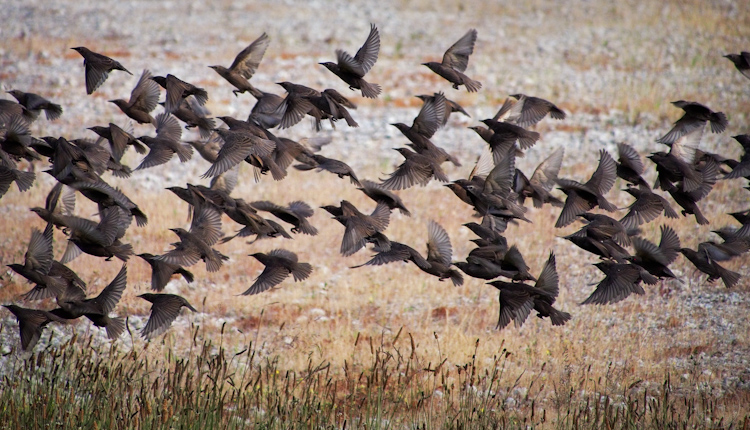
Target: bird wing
(248, 60)
(438, 244)
(145, 94)
(457, 56)
(163, 312)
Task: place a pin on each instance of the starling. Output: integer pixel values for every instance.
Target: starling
(703, 262)
(97, 239)
(455, 61)
(165, 144)
(15, 140)
(279, 263)
(37, 264)
(505, 135)
(243, 213)
(97, 309)
(239, 145)
(528, 111)
(398, 252)
(97, 68)
(337, 167)
(723, 251)
(584, 197)
(30, 324)
(196, 244)
(352, 70)
(656, 259)
(679, 164)
(378, 193)
(696, 116)
(646, 207)
(266, 112)
(119, 139)
(178, 90)
(741, 62)
(143, 100)
(161, 271)
(35, 103)
(450, 106)
(429, 119)
(360, 228)
(416, 169)
(439, 254)
(518, 299)
(688, 200)
(542, 181)
(742, 169)
(244, 65)
(164, 310)
(630, 166)
(295, 214)
(620, 282)
(195, 115)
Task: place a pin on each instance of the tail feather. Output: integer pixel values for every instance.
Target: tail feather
(559, 317)
(115, 327)
(123, 252)
(369, 90)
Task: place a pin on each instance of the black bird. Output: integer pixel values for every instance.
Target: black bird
(361, 228)
(97, 67)
(143, 100)
(703, 262)
(97, 309)
(416, 169)
(295, 214)
(195, 115)
(332, 165)
(688, 200)
(584, 197)
(620, 282)
(450, 106)
(164, 310)
(528, 111)
(196, 244)
(279, 263)
(741, 62)
(380, 194)
(656, 259)
(249, 145)
(244, 65)
(178, 90)
(696, 116)
(505, 135)
(30, 324)
(8, 175)
(161, 271)
(630, 166)
(165, 144)
(119, 139)
(455, 61)
(518, 299)
(646, 207)
(34, 104)
(352, 70)
(542, 181)
(742, 169)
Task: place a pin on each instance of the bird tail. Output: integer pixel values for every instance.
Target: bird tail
(206, 126)
(558, 317)
(53, 111)
(471, 85)
(456, 277)
(699, 217)
(24, 180)
(186, 274)
(729, 278)
(185, 152)
(140, 218)
(115, 327)
(371, 91)
(215, 261)
(718, 122)
(123, 252)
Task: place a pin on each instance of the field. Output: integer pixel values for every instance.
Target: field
(389, 346)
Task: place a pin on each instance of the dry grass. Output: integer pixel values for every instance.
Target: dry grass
(344, 319)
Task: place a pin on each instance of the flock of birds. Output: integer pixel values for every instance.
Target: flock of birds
(495, 189)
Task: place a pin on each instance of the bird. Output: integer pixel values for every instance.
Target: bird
(621, 280)
(143, 100)
(741, 62)
(165, 308)
(450, 106)
(196, 244)
(416, 169)
(30, 324)
(742, 169)
(295, 214)
(119, 139)
(332, 165)
(161, 271)
(34, 104)
(245, 65)
(352, 70)
(584, 197)
(97, 67)
(97, 309)
(195, 115)
(455, 61)
(439, 254)
(24, 180)
(165, 144)
(505, 135)
(630, 166)
(528, 110)
(518, 299)
(696, 116)
(361, 228)
(279, 264)
(646, 207)
(378, 193)
(178, 90)
(656, 259)
(703, 262)
(239, 145)
(542, 181)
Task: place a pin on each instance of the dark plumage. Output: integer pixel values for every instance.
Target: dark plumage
(143, 100)
(332, 165)
(518, 299)
(119, 139)
(244, 65)
(196, 244)
(178, 90)
(361, 228)
(696, 116)
(352, 70)
(380, 194)
(505, 135)
(656, 259)
(416, 169)
(620, 282)
(584, 197)
(630, 166)
(528, 111)
(741, 62)
(455, 61)
(164, 310)
(30, 324)
(35, 103)
(295, 214)
(279, 263)
(161, 271)
(703, 262)
(646, 207)
(165, 144)
(97, 67)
